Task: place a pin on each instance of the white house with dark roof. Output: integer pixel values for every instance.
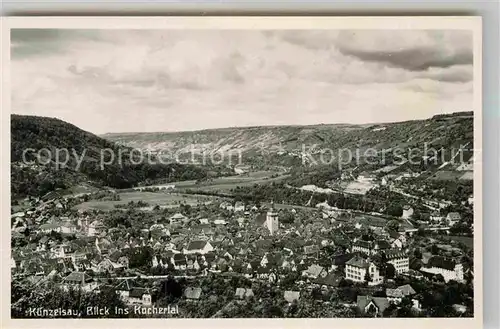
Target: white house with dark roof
(397, 239)
(178, 218)
(139, 296)
(372, 305)
(133, 295)
(179, 261)
(436, 217)
(357, 268)
(198, 247)
(370, 248)
(243, 293)
(314, 271)
(396, 295)
(79, 280)
(239, 206)
(453, 218)
(399, 259)
(61, 251)
(362, 246)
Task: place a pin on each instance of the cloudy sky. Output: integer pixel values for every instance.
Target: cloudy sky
(172, 80)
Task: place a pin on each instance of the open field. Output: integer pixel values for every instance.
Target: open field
(224, 184)
(446, 175)
(468, 175)
(165, 200)
(356, 187)
(368, 220)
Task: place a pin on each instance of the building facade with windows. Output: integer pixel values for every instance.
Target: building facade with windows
(399, 259)
(356, 270)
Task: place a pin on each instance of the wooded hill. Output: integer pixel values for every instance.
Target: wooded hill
(283, 145)
(38, 178)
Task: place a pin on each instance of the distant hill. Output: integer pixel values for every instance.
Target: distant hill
(30, 134)
(283, 145)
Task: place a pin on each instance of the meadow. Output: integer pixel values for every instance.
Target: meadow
(162, 199)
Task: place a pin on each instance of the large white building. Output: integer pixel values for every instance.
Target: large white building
(198, 247)
(399, 259)
(357, 267)
(272, 221)
(449, 269)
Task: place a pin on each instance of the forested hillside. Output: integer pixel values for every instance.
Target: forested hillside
(284, 145)
(37, 176)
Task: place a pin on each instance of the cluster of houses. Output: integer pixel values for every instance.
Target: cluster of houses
(253, 244)
(377, 305)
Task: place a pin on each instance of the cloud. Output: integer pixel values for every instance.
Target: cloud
(157, 80)
(410, 50)
(313, 40)
(457, 73)
(36, 42)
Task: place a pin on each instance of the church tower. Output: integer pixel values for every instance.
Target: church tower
(272, 221)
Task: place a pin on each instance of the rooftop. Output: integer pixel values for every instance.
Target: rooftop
(441, 262)
(358, 261)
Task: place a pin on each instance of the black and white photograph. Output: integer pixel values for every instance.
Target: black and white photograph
(245, 172)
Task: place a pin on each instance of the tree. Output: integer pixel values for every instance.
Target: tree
(390, 271)
(54, 298)
(417, 253)
(56, 235)
(405, 308)
(439, 278)
(287, 218)
(140, 257)
(434, 249)
(368, 277)
(395, 210)
(289, 280)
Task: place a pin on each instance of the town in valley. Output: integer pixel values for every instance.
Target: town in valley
(261, 240)
(256, 173)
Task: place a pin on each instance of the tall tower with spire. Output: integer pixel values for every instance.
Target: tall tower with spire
(272, 221)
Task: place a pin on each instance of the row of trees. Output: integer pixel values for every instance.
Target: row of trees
(380, 200)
